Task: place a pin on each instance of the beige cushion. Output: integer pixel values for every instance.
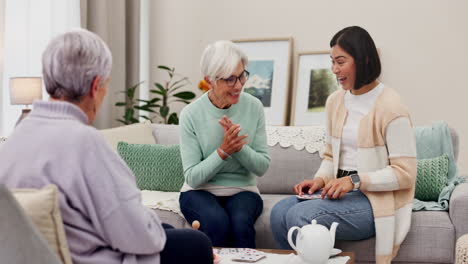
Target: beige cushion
(42, 206)
(141, 133)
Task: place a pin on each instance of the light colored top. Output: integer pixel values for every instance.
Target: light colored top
(201, 135)
(104, 219)
(358, 106)
(386, 163)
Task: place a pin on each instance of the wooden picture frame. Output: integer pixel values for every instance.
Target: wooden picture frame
(270, 70)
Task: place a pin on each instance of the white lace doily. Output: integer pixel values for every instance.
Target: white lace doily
(167, 201)
(312, 138)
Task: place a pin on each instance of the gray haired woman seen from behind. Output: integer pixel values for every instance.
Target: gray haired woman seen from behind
(104, 219)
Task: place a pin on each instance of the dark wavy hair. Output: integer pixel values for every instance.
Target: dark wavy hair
(357, 42)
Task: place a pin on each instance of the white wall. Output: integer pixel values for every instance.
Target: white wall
(29, 25)
(423, 43)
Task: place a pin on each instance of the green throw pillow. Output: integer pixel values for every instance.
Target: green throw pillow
(156, 167)
(432, 177)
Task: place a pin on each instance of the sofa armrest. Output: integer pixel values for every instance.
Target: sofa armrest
(458, 209)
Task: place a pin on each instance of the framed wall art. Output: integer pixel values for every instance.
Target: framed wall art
(270, 68)
(314, 83)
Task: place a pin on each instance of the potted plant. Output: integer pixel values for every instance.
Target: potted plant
(165, 93)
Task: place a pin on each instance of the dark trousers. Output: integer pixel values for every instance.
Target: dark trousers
(186, 246)
(227, 220)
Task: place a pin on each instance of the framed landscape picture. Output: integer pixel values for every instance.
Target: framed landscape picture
(314, 83)
(269, 68)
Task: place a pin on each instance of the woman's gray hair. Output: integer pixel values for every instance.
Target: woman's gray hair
(71, 61)
(220, 59)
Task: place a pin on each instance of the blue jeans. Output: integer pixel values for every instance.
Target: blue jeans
(227, 220)
(353, 213)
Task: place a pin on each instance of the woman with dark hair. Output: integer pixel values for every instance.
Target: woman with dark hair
(368, 173)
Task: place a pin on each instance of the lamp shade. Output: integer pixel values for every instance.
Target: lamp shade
(24, 90)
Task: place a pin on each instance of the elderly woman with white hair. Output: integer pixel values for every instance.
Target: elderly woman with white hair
(100, 204)
(223, 146)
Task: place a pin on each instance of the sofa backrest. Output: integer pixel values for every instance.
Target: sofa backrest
(288, 166)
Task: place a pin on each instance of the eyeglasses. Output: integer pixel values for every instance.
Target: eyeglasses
(231, 81)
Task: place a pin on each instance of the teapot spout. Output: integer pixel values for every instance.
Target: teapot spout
(332, 233)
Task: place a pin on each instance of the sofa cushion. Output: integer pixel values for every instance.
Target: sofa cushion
(432, 177)
(156, 167)
(140, 133)
(288, 167)
(20, 240)
(42, 207)
(166, 134)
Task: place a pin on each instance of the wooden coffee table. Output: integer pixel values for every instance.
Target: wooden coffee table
(285, 251)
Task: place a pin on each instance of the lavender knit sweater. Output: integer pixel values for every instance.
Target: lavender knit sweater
(104, 219)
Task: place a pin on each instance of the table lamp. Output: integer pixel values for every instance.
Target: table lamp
(23, 91)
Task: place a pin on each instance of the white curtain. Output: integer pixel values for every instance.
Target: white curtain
(117, 22)
(28, 27)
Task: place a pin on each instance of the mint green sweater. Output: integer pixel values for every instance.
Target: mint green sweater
(201, 135)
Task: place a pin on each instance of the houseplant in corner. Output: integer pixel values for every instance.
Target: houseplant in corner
(165, 93)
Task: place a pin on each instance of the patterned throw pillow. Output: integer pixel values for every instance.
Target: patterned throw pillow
(42, 206)
(139, 133)
(432, 177)
(156, 167)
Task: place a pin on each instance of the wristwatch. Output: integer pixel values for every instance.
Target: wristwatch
(355, 180)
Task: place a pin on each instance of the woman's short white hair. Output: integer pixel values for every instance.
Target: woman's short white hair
(220, 59)
(71, 61)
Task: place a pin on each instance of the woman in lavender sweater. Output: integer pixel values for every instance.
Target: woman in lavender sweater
(100, 204)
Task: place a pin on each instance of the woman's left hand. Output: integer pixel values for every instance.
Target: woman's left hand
(226, 123)
(337, 188)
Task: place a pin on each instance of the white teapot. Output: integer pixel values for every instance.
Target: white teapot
(314, 242)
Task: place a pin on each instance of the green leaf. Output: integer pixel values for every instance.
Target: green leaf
(134, 120)
(144, 109)
(164, 110)
(182, 101)
(129, 113)
(160, 87)
(157, 92)
(145, 117)
(164, 68)
(173, 119)
(185, 95)
(143, 101)
(131, 92)
(154, 100)
(120, 104)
